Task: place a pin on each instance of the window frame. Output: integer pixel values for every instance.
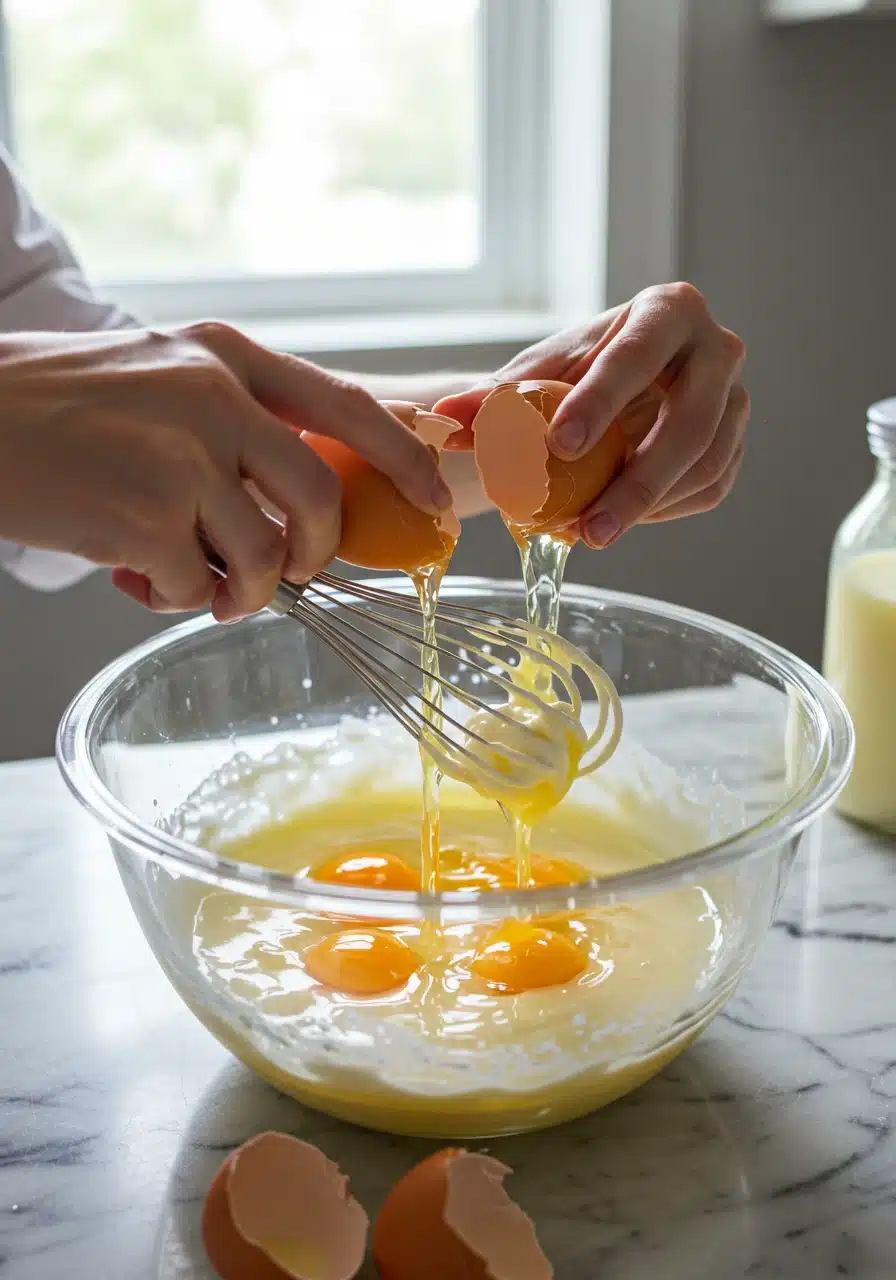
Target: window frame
(562, 235)
(510, 88)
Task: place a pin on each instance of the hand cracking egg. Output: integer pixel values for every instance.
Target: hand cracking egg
(535, 491)
(450, 1218)
(380, 528)
(278, 1209)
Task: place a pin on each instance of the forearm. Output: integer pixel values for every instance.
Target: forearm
(43, 288)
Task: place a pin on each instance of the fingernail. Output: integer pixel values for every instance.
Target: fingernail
(569, 437)
(441, 495)
(602, 529)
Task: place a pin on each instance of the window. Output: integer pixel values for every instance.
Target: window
(285, 158)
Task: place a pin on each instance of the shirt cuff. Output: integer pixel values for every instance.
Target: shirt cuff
(43, 570)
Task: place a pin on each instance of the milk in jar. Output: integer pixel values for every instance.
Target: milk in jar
(860, 630)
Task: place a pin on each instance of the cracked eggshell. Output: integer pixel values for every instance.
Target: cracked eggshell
(450, 1218)
(535, 491)
(380, 528)
(232, 1257)
(278, 1209)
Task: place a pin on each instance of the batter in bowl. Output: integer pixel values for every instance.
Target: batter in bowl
(463, 1030)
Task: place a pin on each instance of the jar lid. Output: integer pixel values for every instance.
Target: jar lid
(883, 414)
(882, 427)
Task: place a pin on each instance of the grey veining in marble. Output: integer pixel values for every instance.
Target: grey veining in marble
(768, 1151)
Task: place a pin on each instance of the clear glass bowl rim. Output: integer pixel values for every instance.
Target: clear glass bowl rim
(89, 709)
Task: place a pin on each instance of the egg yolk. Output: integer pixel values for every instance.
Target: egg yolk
(520, 957)
(366, 959)
(459, 872)
(543, 873)
(360, 962)
(363, 870)
(369, 871)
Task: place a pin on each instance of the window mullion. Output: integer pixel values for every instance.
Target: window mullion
(7, 132)
(514, 109)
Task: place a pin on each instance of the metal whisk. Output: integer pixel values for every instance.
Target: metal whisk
(378, 635)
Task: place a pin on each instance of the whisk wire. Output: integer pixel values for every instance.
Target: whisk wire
(420, 715)
(456, 691)
(487, 663)
(383, 677)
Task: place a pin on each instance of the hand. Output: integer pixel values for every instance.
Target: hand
(671, 376)
(124, 447)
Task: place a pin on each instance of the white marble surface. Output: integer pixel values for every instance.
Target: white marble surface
(768, 1151)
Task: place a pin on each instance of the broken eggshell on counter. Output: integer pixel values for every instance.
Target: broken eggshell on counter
(535, 491)
(380, 528)
(450, 1218)
(278, 1209)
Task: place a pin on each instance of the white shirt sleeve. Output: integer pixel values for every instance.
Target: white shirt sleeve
(42, 287)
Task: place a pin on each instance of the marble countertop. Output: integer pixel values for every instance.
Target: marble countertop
(767, 1151)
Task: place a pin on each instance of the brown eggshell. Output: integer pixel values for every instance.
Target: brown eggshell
(232, 1257)
(481, 1214)
(380, 528)
(434, 429)
(534, 490)
(278, 1209)
(449, 1218)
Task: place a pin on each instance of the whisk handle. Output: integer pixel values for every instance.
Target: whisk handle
(286, 597)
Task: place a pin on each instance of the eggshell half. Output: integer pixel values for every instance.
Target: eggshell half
(479, 1211)
(232, 1257)
(449, 1218)
(380, 528)
(280, 1210)
(535, 491)
(434, 429)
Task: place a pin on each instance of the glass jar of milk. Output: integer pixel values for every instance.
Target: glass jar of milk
(860, 632)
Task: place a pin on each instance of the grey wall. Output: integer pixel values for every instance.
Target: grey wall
(789, 226)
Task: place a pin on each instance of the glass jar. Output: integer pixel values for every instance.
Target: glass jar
(860, 630)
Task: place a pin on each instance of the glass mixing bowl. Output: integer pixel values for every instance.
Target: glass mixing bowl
(731, 745)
